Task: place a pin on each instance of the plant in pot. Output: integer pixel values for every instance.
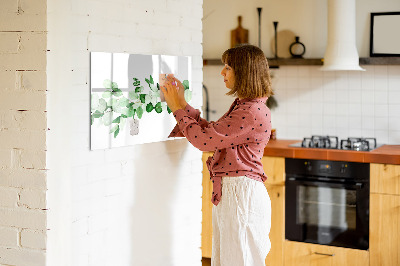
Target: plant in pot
(114, 109)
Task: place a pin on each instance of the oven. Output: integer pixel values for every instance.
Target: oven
(327, 202)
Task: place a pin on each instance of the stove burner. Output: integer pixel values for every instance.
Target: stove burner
(358, 144)
(328, 142)
(332, 142)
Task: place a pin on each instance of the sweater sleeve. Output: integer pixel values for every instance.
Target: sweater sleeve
(193, 113)
(231, 130)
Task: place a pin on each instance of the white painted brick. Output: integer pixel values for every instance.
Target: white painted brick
(34, 120)
(7, 80)
(101, 42)
(190, 22)
(196, 10)
(36, 7)
(8, 197)
(17, 256)
(8, 237)
(8, 6)
(31, 53)
(5, 158)
(20, 217)
(33, 199)
(22, 22)
(9, 42)
(33, 159)
(11, 138)
(23, 178)
(98, 222)
(33, 239)
(22, 100)
(31, 80)
(192, 49)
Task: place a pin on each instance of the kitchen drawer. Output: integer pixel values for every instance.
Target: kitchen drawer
(305, 254)
(274, 168)
(385, 178)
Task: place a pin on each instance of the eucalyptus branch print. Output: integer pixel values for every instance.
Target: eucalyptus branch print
(113, 108)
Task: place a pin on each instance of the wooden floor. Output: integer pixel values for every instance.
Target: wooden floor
(206, 261)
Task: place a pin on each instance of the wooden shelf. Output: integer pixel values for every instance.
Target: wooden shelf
(380, 61)
(274, 63)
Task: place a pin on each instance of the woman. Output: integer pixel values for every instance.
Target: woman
(242, 208)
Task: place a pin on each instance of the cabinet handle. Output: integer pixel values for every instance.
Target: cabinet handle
(324, 254)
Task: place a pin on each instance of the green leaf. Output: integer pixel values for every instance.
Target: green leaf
(151, 80)
(98, 114)
(117, 93)
(123, 102)
(188, 95)
(102, 105)
(149, 107)
(114, 103)
(169, 110)
(117, 120)
(139, 112)
(139, 89)
(114, 128)
(124, 116)
(131, 112)
(106, 94)
(107, 84)
(158, 107)
(147, 81)
(142, 98)
(132, 95)
(114, 86)
(185, 84)
(116, 132)
(136, 82)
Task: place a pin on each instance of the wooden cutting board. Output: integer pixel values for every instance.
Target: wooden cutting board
(239, 35)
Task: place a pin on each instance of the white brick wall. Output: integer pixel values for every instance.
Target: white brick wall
(23, 125)
(137, 205)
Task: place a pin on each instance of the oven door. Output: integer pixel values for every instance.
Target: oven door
(327, 213)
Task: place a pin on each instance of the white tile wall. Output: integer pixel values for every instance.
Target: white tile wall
(312, 102)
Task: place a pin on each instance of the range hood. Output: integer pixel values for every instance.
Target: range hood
(341, 51)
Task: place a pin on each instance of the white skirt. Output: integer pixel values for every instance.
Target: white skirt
(241, 223)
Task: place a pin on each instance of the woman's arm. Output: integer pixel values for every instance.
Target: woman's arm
(174, 93)
(239, 127)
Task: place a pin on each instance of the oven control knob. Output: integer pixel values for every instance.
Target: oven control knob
(343, 168)
(308, 166)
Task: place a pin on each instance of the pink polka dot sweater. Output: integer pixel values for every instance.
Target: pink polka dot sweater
(238, 139)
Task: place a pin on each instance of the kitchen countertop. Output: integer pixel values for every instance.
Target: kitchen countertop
(389, 154)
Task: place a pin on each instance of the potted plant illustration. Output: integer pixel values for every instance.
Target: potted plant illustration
(113, 109)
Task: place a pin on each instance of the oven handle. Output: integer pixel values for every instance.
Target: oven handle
(357, 185)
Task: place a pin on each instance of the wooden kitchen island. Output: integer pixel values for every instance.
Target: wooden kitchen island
(384, 247)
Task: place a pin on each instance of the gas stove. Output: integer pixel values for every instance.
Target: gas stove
(332, 142)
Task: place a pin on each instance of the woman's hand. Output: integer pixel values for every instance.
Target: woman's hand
(174, 94)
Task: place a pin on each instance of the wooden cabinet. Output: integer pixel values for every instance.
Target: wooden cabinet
(385, 178)
(385, 215)
(206, 226)
(274, 168)
(277, 233)
(304, 254)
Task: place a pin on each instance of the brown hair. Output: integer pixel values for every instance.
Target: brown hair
(250, 66)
